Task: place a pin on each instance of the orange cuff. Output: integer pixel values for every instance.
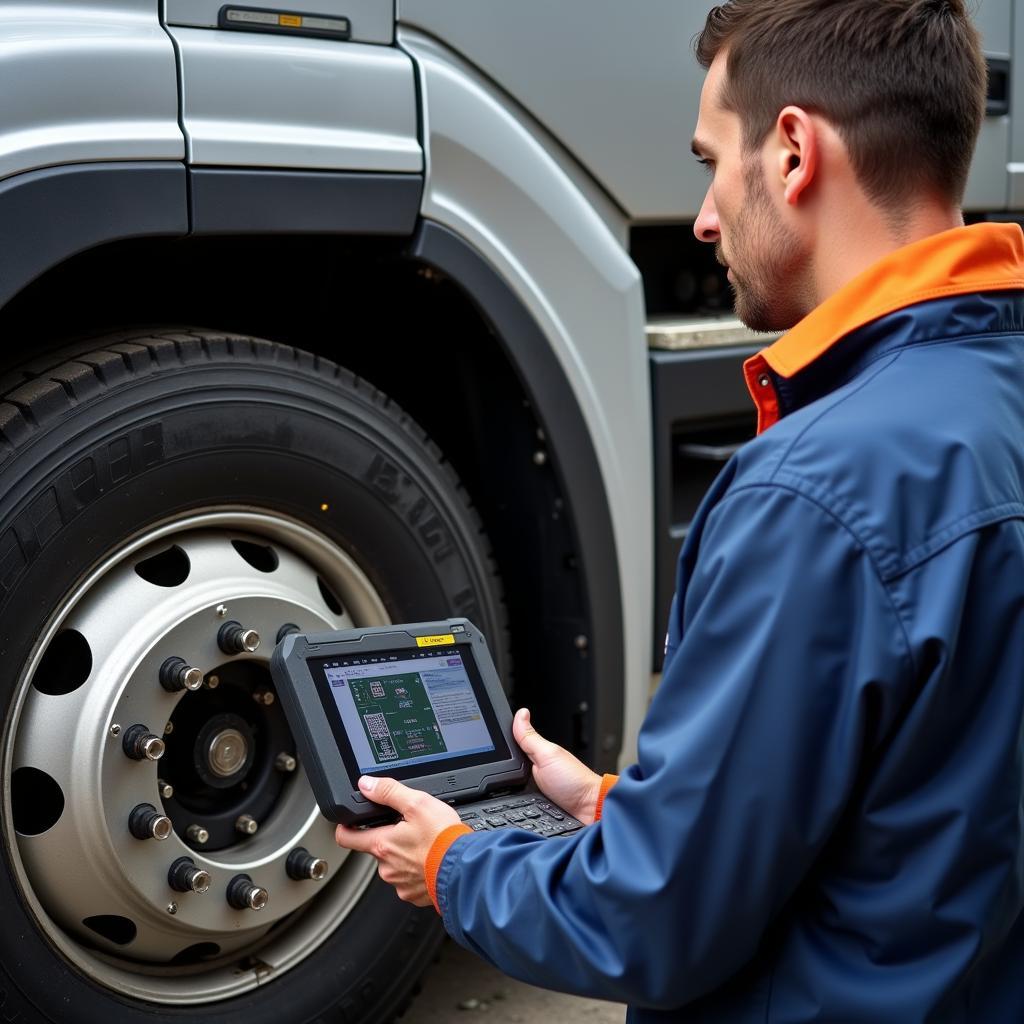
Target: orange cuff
(606, 783)
(438, 849)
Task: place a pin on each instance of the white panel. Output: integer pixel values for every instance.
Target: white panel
(257, 100)
(85, 82)
(492, 181)
(373, 21)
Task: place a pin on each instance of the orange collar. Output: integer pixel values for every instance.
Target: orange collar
(979, 258)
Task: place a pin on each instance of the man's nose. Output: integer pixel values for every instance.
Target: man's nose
(707, 228)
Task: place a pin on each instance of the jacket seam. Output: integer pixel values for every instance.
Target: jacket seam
(954, 531)
(946, 339)
(860, 544)
(824, 412)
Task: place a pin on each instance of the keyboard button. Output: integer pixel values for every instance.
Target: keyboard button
(515, 815)
(497, 821)
(529, 826)
(532, 812)
(478, 826)
(466, 815)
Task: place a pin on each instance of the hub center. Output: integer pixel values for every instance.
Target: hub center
(227, 753)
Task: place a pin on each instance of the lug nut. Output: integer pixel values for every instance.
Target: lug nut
(286, 630)
(243, 895)
(176, 674)
(184, 876)
(233, 638)
(284, 762)
(246, 824)
(165, 789)
(146, 822)
(141, 745)
(302, 865)
(264, 697)
(197, 834)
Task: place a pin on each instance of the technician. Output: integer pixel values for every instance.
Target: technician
(826, 819)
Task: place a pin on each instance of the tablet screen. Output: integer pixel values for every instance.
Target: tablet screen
(408, 713)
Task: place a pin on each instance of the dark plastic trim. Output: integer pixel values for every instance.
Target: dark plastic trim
(696, 390)
(997, 102)
(575, 462)
(242, 201)
(49, 215)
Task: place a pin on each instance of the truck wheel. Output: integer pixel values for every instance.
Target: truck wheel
(154, 489)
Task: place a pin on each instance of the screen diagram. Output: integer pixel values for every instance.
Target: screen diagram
(399, 711)
(397, 716)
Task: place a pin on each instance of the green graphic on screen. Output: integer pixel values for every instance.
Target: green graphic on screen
(397, 717)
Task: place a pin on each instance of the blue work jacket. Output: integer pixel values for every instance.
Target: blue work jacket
(826, 818)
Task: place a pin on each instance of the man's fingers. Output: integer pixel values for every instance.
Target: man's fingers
(389, 793)
(534, 745)
(362, 840)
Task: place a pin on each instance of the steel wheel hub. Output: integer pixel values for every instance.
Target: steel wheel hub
(115, 742)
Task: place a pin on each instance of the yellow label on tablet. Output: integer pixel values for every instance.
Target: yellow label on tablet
(290, 20)
(435, 641)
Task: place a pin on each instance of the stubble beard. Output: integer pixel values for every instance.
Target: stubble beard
(771, 288)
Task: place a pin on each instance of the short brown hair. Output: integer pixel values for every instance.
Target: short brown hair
(904, 83)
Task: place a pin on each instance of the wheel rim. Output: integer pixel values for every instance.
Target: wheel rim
(100, 894)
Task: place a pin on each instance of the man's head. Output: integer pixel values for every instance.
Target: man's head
(823, 115)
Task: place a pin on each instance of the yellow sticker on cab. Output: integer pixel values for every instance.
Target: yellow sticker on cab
(435, 641)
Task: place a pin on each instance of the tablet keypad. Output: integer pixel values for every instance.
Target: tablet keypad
(533, 813)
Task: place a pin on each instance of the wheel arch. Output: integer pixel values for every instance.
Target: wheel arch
(530, 464)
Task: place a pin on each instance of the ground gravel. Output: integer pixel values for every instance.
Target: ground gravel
(462, 989)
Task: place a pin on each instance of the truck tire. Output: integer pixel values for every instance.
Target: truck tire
(152, 489)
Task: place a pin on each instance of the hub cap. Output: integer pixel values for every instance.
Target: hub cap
(102, 895)
(228, 753)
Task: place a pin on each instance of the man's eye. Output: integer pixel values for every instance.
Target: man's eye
(707, 165)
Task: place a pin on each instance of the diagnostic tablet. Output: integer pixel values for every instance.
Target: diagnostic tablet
(421, 703)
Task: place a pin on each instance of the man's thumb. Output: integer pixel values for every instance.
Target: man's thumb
(387, 792)
(526, 736)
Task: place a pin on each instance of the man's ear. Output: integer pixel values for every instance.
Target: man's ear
(796, 138)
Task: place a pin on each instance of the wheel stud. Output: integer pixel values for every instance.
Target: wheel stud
(165, 789)
(184, 876)
(302, 865)
(146, 822)
(141, 745)
(176, 674)
(286, 630)
(246, 824)
(233, 638)
(243, 895)
(197, 834)
(264, 697)
(284, 762)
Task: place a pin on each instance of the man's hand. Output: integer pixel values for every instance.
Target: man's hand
(401, 850)
(558, 774)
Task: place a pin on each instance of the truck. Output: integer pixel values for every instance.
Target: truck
(313, 314)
